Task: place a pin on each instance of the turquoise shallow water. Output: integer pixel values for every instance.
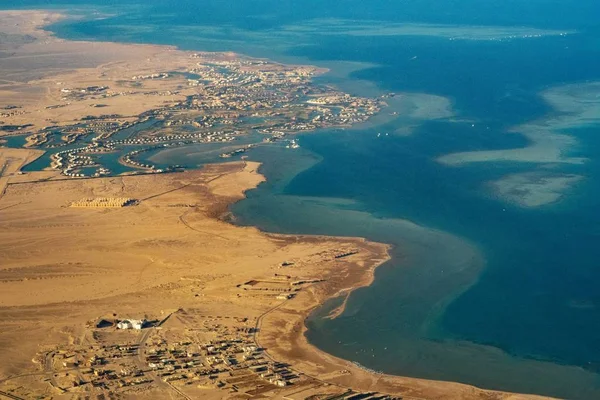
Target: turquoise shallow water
(480, 290)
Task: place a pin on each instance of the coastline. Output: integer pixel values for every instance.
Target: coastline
(314, 362)
(283, 333)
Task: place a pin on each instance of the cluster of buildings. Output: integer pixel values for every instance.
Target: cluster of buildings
(283, 287)
(99, 367)
(70, 162)
(292, 144)
(231, 97)
(215, 363)
(196, 351)
(109, 202)
(129, 159)
(236, 152)
(69, 134)
(80, 93)
(168, 139)
(162, 75)
(10, 110)
(231, 361)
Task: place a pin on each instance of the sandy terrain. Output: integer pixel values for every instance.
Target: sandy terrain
(11, 162)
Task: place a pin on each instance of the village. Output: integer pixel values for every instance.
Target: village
(206, 353)
(186, 351)
(190, 352)
(226, 99)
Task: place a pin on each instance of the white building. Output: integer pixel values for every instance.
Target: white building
(131, 324)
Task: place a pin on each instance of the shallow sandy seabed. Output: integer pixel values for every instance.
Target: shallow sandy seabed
(551, 140)
(332, 26)
(534, 189)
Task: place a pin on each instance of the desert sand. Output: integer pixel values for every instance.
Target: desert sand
(11, 162)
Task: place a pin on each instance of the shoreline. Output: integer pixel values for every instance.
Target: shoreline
(314, 362)
(308, 357)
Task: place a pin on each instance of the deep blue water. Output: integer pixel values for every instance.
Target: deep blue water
(513, 286)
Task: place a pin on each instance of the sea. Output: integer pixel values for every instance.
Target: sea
(484, 287)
